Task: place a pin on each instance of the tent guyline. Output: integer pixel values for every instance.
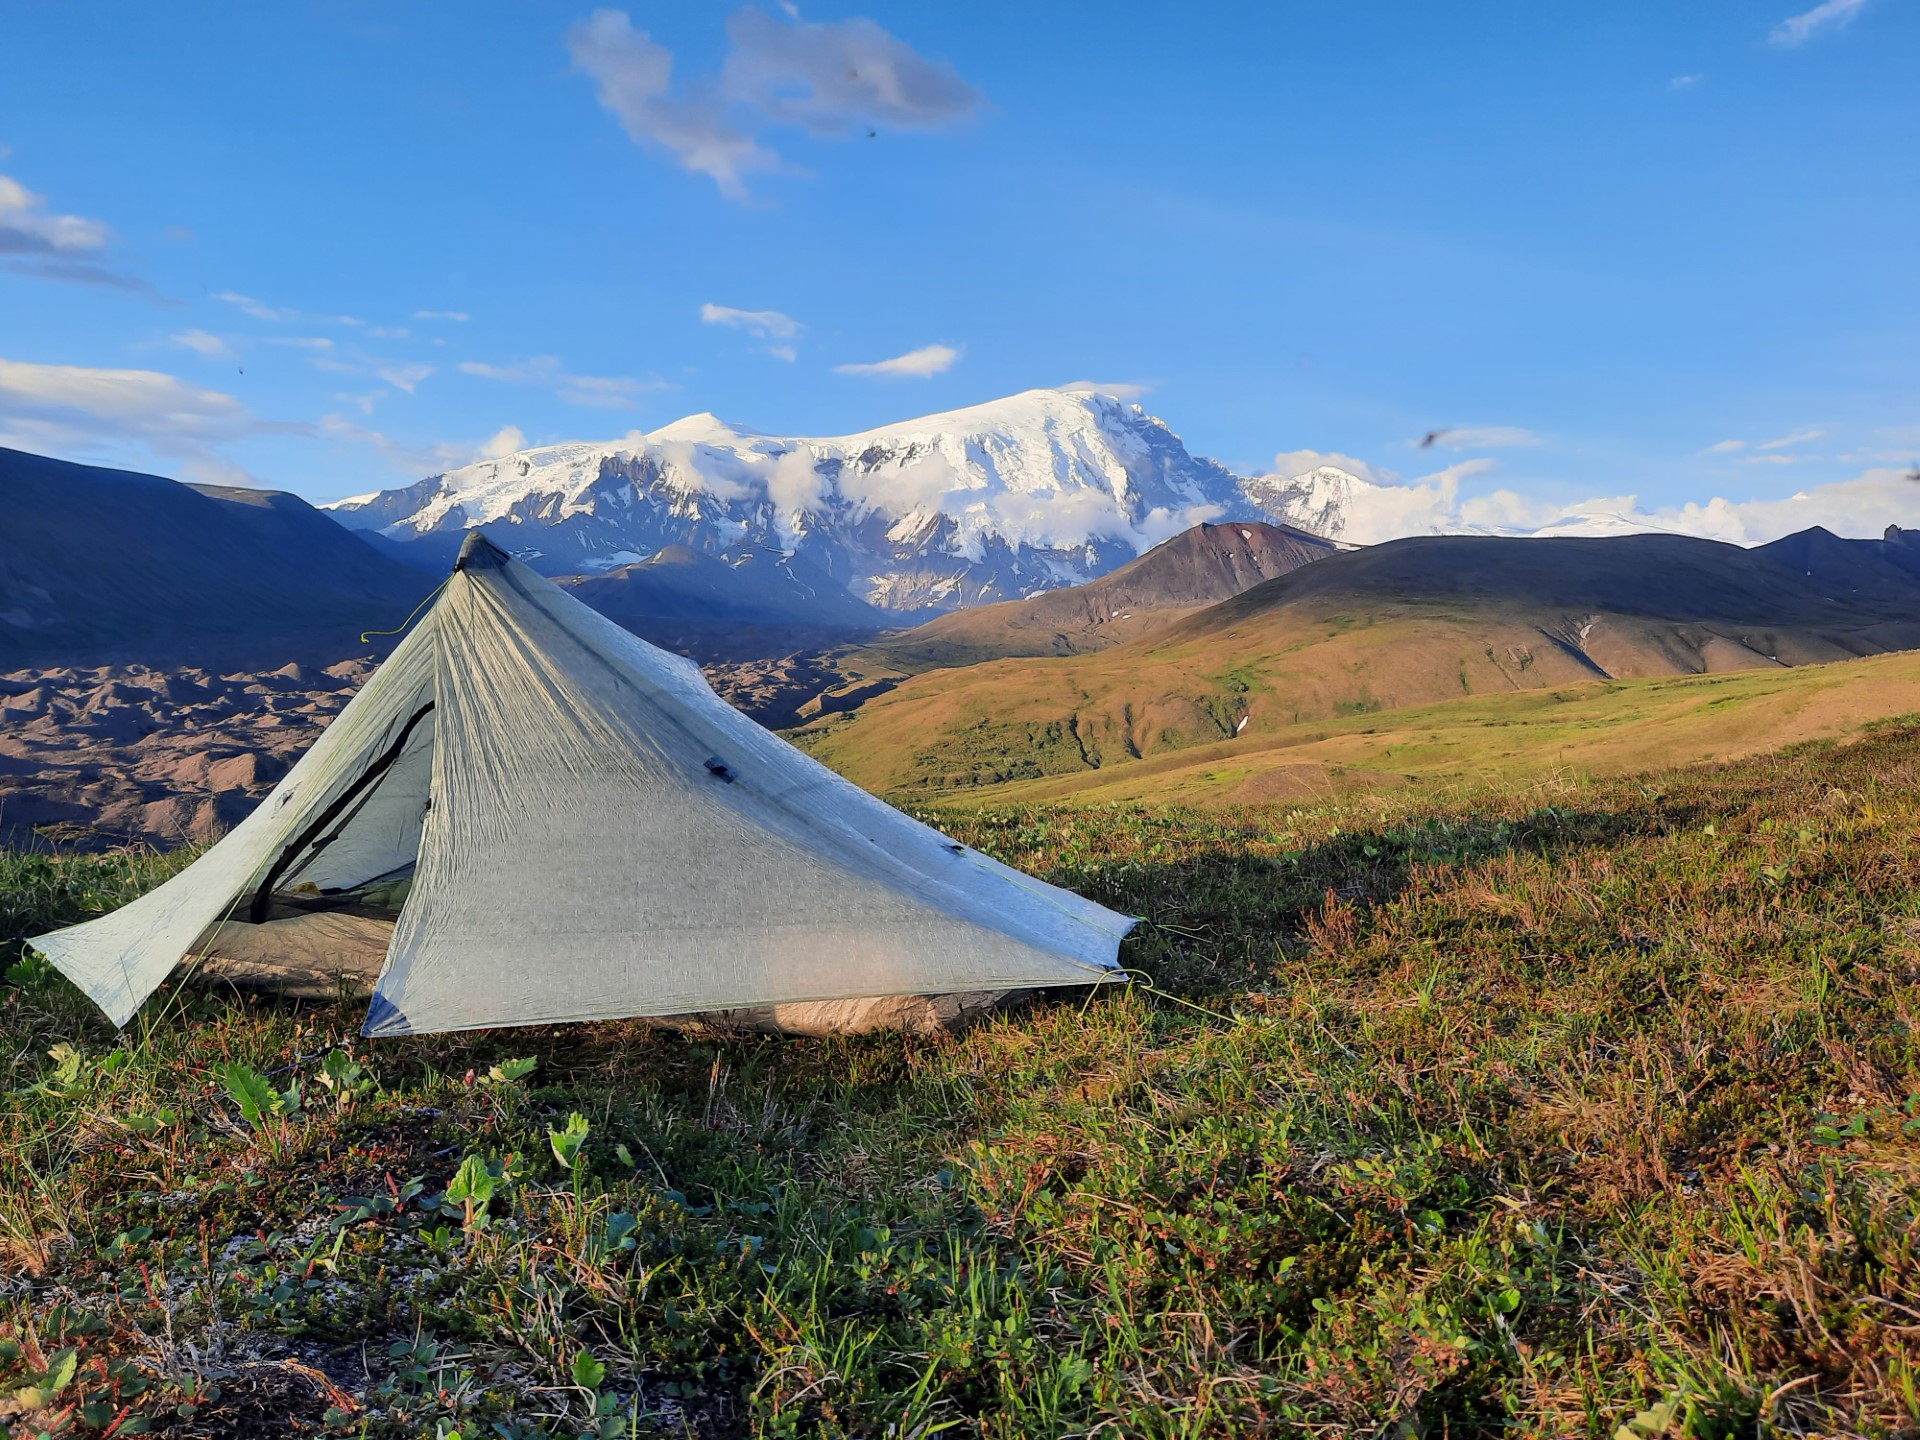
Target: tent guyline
(529, 816)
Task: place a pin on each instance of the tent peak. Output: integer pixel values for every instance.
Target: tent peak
(480, 553)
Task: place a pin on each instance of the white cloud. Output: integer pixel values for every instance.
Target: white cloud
(1383, 509)
(365, 401)
(1863, 506)
(1734, 447)
(605, 392)
(504, 441)
(75, 409)
(27, 227)
(132, 401)
(459, 316)
(1119, 389)
(417, 459)
(826, 78)
(767, 324)
(1684, 82)
(1831, 15)
(634, 79)
(919, 364)
(1480, 437)
(256, 308)
(208, 347)
(260, 310)
(833, 77)
(37, 241)
(302, 342)
(1798, 437)
(403, 377)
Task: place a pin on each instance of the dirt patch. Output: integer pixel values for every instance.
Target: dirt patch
(285, 1395)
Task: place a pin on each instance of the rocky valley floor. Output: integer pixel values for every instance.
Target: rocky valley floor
(101, 755)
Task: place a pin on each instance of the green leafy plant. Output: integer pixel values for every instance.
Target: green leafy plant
(472, 1189)
(508, 1071)
(40, 1390)
(568, 1140)
(254, 1094)
(344, 1076)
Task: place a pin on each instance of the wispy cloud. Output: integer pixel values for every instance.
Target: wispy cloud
(604, 392)
(400, 375)
(208, 347)
(403, 377)
(767, 324)
(828, 78)
(633, 77)
(275, 314)
(834, 77)
(27, 227)
(43, 243)
(77, 409)
(418, 459)
(1831, 15)
(1734, 447)
(259, 309)
(1479, 437)
(1119, 389)
(458, 316)
(1798, 437)
(918, 364)
(1684, 82)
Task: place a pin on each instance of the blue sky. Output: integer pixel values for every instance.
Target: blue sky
(1616, 250)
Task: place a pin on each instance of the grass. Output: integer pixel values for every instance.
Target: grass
(1595, 727)
(1572, 1109)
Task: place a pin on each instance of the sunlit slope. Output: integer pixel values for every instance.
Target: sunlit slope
(1377, 631)
(1594, 728)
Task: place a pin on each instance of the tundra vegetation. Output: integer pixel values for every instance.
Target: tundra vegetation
(1586, 1107)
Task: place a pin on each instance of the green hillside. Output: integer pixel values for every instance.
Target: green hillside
(1343, 711)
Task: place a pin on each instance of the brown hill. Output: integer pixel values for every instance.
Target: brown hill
(1406, 623)
(1196, 568)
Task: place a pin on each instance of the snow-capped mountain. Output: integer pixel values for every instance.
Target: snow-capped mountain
(1321, 500)
(1351, 510)
(1040, 490)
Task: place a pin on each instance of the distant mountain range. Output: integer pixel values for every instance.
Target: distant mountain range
(100, 565)
(1404, 623)
(996, 502)
(1000, 501)
(96, 562)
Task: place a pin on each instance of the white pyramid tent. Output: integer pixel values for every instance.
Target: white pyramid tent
(590, 833)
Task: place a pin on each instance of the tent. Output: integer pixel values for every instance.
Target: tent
(528, 815)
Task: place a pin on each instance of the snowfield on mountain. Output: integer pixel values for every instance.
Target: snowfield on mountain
(1000, 501)
(1036, 491)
